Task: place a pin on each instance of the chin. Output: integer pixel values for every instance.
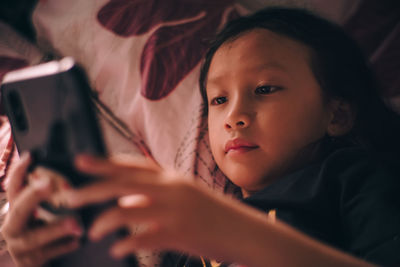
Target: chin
(247, 181)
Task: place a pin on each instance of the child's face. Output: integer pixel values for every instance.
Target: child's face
(265, 107)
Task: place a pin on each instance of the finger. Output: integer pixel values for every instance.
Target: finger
(56, 250)
(43, 255)
(16, 176)
(24, 206)
(109, 168)
(136, 160)
(47, 234)
(153, 239)
(105, 190)
(116, 218)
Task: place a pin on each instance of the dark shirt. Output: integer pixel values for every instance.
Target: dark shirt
(349, 200)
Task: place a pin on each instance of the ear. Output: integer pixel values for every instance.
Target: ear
(342, 118)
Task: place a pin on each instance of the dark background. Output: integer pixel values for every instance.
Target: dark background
(17, 13)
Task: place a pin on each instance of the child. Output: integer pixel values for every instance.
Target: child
(296, 122)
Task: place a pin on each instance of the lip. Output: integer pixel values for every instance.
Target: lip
(239, 145)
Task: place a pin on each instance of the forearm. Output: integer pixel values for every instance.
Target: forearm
(255, 240)
(188, 217)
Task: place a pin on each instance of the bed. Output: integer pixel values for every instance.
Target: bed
(143, 58)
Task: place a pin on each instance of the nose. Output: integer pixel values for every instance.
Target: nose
(239, 117)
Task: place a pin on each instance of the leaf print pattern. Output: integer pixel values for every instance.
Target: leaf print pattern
(181, 29)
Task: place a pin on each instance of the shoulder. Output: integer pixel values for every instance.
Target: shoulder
(358, 167)
(369, 202)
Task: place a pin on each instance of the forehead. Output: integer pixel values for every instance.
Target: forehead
(260, 49)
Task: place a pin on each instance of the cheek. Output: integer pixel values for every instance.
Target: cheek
(313, 120)
(293, 126)
(215, 132)
(213, 142)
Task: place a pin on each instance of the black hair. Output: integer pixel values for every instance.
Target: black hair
(337, 63)
(18, 14)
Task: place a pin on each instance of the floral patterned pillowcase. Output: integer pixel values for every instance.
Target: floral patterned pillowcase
(143, 59)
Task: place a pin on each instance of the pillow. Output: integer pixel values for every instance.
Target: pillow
(143, 59)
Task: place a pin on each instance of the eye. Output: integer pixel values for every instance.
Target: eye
(218, 100)
(266, 89)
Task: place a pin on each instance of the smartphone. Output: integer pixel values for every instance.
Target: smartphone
(52, 116)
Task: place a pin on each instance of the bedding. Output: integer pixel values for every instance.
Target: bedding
(144, 69)
(143, 59)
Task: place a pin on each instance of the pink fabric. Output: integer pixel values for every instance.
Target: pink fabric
(143, 57)
(172, 51)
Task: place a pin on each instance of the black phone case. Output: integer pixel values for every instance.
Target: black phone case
(52, 116)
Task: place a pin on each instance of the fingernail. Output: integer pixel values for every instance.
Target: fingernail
(69, 199)
(93, 235)
(116, 253)
(25, 156)
(41, 183)
(73, 227)
(83, 160)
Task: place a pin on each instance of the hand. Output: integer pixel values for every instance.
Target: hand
(185, 216)
(181, 215)
(27, 244)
